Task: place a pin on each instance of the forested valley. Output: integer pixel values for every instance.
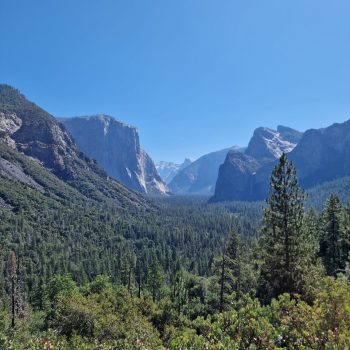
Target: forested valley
(181, 274)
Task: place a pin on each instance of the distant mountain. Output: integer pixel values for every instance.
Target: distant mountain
(323, 154)
(239, 176)
(200, 176)
(27, 130)
(168, 170)
(116, 147)
(320, 156)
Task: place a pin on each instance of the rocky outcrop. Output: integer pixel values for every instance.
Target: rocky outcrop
(240, 167)
(267, 144)
(116, 147)
(9, 124)
(244, 176)
(32, 131)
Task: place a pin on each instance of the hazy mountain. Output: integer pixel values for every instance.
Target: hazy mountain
(29, 130)
(116, 147)
(168, 170)
(200, 176)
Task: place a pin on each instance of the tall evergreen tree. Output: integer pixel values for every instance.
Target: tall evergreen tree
(128, 264)
(12, 273)
(282, 234)
(179, 292)
(332, 245)
(229, 270)
(312, 232)
(155, 278)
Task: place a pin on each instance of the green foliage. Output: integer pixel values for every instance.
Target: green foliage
(155, 278)
(334, 246)
(284, 251)
(58, 230)
(171, 276)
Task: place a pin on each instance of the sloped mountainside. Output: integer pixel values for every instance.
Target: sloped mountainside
(200, 176)
(116, 147)
(323, 154)
(168, 170)
(240, 177)
(26, 129)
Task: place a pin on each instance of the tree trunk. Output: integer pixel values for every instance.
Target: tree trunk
(13, 301)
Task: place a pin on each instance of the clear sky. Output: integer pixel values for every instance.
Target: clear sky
(193, 75)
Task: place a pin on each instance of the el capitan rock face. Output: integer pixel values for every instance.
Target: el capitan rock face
(116, 147)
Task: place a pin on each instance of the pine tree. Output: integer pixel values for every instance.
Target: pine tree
(229, 270)
(128, 264)
(312, 232)
(155, 278)
(282, 234)
(332, 245)
(179, 292)
(139, 276)
(12, 273)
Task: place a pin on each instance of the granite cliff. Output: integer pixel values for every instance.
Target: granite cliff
(116, 148)
(243, 176)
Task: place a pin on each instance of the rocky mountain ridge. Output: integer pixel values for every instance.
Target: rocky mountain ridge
(320, 156)
(27, 129)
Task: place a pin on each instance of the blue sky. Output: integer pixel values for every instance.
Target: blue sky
(193, 75)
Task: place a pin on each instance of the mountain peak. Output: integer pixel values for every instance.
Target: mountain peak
(269, 144)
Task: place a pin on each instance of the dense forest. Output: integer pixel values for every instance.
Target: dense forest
(180, 274)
